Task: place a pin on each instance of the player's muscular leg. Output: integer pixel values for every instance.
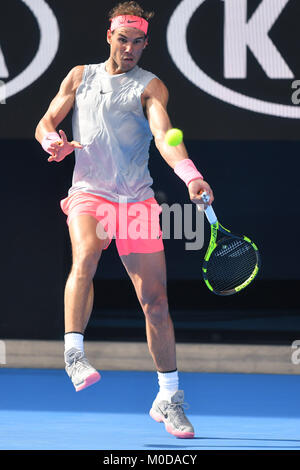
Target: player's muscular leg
(86, 252)
(148, 274)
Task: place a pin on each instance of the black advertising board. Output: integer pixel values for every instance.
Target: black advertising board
(232, 66)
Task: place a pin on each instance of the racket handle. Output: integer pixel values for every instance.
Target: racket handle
(211, 216)
(209, 212)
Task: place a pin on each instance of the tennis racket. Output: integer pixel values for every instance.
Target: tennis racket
(231, 262)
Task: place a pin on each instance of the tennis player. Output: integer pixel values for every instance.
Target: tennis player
(118, 108)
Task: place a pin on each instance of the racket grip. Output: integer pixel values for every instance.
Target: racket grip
(211, 216)
(209, 212)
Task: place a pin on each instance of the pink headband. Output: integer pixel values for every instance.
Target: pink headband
(129, 21)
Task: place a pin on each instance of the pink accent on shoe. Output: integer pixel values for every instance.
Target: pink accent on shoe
(156, 416)
(181, 434)
(90, 380)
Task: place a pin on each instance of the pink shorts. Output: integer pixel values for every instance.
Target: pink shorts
(134, 225)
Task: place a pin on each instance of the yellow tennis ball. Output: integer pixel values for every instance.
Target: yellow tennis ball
(174, 137)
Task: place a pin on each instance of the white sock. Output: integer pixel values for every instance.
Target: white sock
(74, 340)
(168, 384)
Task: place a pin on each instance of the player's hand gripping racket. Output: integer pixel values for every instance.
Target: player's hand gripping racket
(232, 262)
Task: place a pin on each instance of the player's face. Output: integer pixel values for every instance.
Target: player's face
(126, 47)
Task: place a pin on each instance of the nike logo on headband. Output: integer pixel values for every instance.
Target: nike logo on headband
(128, 21)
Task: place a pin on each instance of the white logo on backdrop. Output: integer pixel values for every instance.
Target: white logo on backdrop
(239, 35)
(48, 46)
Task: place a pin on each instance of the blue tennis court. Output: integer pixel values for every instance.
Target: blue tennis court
(41, 411)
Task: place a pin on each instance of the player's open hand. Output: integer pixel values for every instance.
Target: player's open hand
(197, 188)
(60, 149)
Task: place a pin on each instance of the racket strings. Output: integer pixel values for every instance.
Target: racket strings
(234, 249)
(229, 280)
(231, 264)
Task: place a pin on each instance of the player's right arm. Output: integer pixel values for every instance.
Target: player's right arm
(58, 109)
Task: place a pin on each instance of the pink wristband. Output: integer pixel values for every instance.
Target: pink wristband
(49, 139)
(187, 171)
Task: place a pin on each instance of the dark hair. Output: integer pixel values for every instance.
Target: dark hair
(130, 8)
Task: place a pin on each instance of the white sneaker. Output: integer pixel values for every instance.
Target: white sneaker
(79, 369)
(171, 413)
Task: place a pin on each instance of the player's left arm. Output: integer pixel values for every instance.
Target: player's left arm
(156, 97)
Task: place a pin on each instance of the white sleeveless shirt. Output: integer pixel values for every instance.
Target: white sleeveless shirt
(109, 121)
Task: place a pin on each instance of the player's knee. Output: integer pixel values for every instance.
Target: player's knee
(85, 261)
(156, 308)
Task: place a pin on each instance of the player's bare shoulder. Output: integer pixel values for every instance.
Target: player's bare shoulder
(77, 74)
(156, 89)
(72, 80)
